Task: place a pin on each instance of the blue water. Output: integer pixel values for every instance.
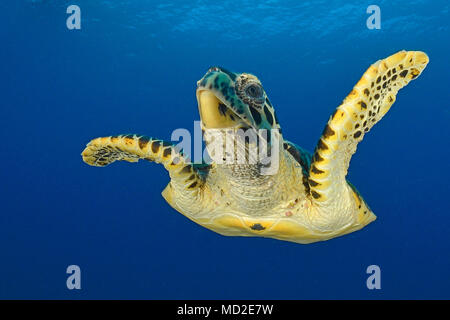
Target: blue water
(132, 68)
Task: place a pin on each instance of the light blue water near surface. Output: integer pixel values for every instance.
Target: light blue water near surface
(133, 68)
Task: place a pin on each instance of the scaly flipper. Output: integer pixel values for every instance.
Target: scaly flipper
(366, 104)
(103, 151)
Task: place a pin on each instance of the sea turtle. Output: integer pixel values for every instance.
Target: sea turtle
(308, 198)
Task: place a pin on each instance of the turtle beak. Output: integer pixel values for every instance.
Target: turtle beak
(213, 98)
(213, 112)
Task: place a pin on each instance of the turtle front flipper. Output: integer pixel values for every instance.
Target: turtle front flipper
(367, 103)
(105, 150)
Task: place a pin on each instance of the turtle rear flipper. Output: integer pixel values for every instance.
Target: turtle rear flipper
(105, 150)
(367, 103)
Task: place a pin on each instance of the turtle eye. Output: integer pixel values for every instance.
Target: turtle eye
(254, 91)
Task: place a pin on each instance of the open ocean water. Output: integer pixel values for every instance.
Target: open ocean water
(132, 68)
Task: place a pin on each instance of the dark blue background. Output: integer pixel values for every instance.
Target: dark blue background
(132, 68)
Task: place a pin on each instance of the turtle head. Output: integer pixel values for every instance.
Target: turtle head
(236, 103)
(234, 100)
